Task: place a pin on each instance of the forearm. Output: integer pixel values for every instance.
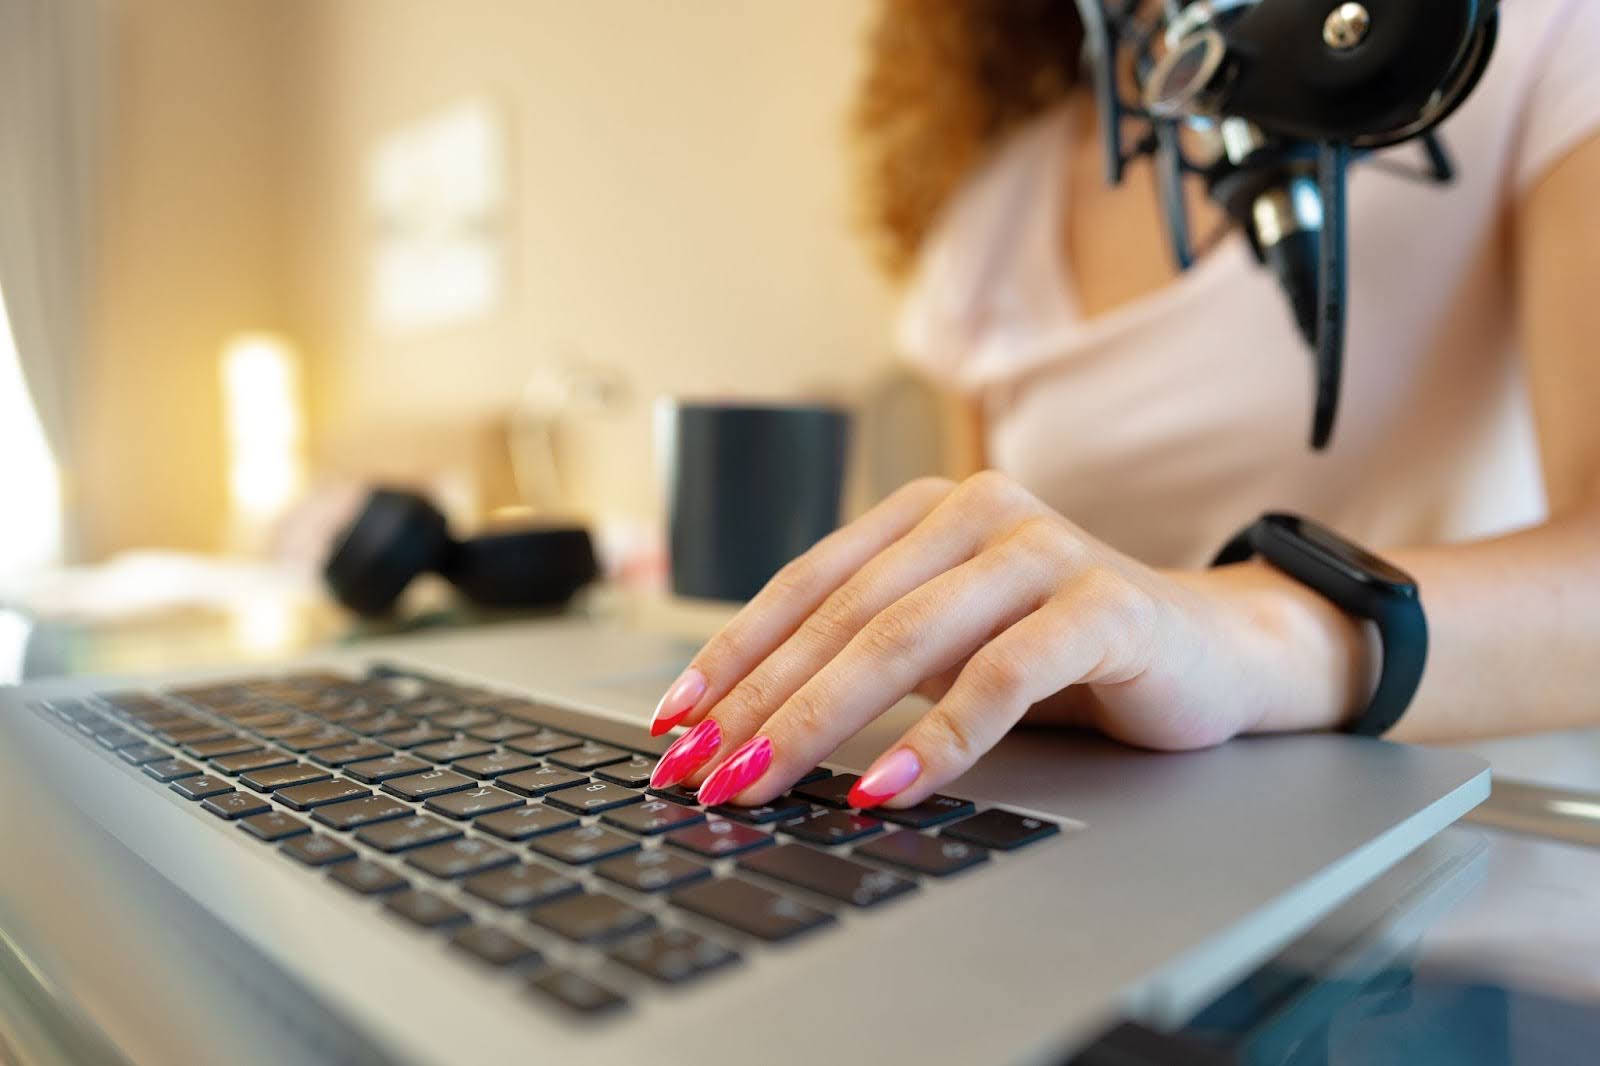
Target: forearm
(1515, 632)
(1514, 638)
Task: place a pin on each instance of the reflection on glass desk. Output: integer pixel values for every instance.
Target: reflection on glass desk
(1483, 949)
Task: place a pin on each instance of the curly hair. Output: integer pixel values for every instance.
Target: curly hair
(944, 81)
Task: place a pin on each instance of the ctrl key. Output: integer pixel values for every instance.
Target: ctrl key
(577, 993)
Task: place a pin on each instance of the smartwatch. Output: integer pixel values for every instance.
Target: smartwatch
(1360, 584)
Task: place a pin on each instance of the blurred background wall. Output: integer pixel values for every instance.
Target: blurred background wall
(678, 218)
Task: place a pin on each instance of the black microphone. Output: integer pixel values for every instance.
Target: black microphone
(1283, 94)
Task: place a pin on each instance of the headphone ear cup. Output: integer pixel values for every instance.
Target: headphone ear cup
(528, 568)
(397, 536)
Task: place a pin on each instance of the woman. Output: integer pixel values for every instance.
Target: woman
(1139, 418)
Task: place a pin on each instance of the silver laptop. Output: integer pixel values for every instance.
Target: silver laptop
(443, 849)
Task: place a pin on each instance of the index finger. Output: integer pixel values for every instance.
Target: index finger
(788, 599)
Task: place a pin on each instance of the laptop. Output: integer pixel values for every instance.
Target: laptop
(444, 849)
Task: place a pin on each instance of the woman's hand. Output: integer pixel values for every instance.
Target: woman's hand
(982, 599)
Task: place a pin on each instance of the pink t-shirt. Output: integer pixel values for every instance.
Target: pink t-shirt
(1166, 424)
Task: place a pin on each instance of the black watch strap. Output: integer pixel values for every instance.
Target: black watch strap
(1360, 584)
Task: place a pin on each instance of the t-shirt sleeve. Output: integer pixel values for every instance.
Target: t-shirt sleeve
(1562, 106)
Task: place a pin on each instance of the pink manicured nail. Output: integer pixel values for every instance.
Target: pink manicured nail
(887, 778)
(747, 763)
(687, 753)
(680, 699)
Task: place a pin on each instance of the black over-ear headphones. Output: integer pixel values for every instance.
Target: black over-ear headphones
(399, 535)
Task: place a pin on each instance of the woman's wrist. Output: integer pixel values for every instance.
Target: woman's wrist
(1313, 664)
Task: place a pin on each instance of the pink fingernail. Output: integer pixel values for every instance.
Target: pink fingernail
(887, 778)
(680, 699)
(687, 753)
(737, 772)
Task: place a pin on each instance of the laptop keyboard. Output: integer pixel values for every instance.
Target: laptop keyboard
(530, 849)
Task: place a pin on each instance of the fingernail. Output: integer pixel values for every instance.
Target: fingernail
(887, 778)
(680, 699)
(748, 762)
(687, 753)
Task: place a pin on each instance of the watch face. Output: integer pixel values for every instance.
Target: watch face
(1332, 549)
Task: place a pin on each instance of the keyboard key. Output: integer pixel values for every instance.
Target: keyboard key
(209, 749)
(265, 719)
(380, 722)
(368, 878)
(139, 754)
(91, 724)
(425, 909)
(520, 886)
(588, 755)
(752, 909)
(583, 844)
(677, 794)
(299, 726)
(319, 794)
(934, 810)
(577, 993)
(200, 787)
(494, 946)
(673, 955)
(543, 742)
(170, 769)
(1001, 830)
(651, 817)
(470, 718)
(404, 833)
(459, 858)
(522, 823)
(473, 802)
(502, 729)
(489, 767)
(345, 754)
(634, 773)
(816, 773)
(192, 734)
(250, 760)
(373, 771)
(594, 797)
(317, 850)
(652, 870)
(592, 918)
(429, 783)
(368, 810)
(327, 736)
(718, 838)
(231, 805)
(922, 853)
(273, 825)
(414, 737)
(276, 777)
(830, 791)
(830, 875)
(115, 738)
(779, 809)
(541, 781)
(451, 750)
(831, 827)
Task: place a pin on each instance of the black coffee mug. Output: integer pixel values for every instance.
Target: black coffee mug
(749, 487)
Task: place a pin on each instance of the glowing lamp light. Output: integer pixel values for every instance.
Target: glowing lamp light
(265, 430)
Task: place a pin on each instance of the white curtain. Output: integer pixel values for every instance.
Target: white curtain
(51, 69)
